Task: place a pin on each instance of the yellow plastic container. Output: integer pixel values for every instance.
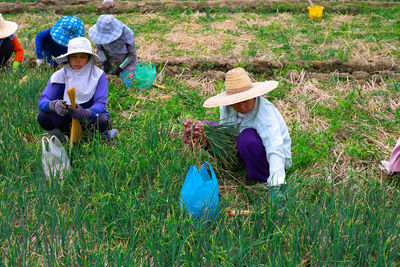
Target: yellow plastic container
(315, 12)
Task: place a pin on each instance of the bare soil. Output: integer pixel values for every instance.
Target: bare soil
(321, 70)
(318, 69)
(153, 6)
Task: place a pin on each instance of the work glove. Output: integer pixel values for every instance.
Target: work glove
(117, 71)
(80, 113)
(59, 107)
(39, 61)
(106, 66)
(15, 66)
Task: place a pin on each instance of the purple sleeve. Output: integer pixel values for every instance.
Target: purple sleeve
(40, 38)
(100, 97)
(51, 92)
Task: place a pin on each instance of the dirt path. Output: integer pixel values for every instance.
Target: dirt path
(64, 7)
(319, 69)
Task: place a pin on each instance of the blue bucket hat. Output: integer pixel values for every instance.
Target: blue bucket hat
(106, 30)
(67, 28)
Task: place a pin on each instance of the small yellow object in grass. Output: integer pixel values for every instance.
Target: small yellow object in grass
(233, 212)
(160, 86)
(76, 128)
(315, 12)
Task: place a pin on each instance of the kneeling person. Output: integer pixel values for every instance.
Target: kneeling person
(264, 142)
(91, 86)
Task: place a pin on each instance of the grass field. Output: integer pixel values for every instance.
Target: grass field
(120, 204)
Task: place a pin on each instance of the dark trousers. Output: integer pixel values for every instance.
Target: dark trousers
(51, 120)
(252, 152)
(49, 52)
(6, 50)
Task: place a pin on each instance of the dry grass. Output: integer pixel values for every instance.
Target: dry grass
(189, 36)
(205, 83)
(192, 35)
(305, 95)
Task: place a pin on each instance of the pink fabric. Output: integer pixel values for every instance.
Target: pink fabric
(395, 158)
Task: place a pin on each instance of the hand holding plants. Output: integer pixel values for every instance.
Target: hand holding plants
(15, 66)
(79, 113)
(218, 139)
(59, 107)
(117, 71)
(39, 62)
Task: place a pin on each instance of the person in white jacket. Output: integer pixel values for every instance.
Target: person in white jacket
(264, 143)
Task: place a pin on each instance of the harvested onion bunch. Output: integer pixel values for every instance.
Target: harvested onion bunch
(193, 134)
(218, 139)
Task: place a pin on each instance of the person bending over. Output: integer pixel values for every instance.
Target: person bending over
(264, 143)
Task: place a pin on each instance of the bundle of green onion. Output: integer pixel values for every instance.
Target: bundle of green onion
(218, 139)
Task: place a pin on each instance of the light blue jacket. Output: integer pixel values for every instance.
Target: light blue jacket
(272, 129)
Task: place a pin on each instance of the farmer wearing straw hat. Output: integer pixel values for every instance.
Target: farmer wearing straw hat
(115, 44)
(264, 141)
(91, 86)
(9, 43)
(53, 42)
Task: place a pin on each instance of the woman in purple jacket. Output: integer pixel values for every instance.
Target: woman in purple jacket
(91, 86)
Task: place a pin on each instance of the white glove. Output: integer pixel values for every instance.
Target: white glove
(108, 3)
(39, 61)
(276, 177)
(386, 167)
(276, 170)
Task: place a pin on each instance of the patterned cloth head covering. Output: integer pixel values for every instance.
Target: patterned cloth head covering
(106, 30)
(67, 28)
(118, 46)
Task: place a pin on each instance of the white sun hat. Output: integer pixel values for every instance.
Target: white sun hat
(238, 88)
(78, 45)
(7, 28)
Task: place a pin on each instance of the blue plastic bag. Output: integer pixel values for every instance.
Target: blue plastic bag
(144, 75)
(199, 194)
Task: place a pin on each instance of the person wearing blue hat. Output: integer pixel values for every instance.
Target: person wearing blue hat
(115, 45)
(53, 42)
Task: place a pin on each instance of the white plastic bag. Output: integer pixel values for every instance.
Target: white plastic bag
(55, 160)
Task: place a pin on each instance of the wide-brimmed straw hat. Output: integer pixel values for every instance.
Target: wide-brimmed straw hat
(67, 28)
(7, 28)
(106, 30)
(238, 88)
(78, 45)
